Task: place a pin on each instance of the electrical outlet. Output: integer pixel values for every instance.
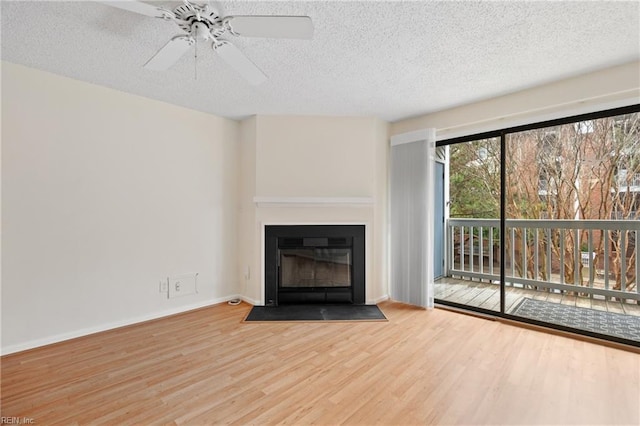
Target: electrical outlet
(164, 286)
(182, 285)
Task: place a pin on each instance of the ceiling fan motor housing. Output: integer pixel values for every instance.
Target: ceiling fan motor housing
(200, 22)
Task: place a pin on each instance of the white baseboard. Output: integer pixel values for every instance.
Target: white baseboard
(380, 299)
(31, 344)
(110, 326)
(250, 301)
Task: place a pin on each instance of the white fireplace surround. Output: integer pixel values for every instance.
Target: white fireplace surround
(312, 171)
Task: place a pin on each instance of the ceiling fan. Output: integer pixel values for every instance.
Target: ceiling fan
(202, 23)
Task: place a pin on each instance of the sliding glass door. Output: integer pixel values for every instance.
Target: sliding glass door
(541, 224)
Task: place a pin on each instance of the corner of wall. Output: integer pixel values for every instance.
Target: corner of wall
(381, 208)
(246, 266)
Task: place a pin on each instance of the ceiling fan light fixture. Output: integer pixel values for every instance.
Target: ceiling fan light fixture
(200, 31)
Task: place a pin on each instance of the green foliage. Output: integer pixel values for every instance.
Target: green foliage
(474, 181)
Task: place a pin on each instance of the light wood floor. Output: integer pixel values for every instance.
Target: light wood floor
(486, 295)
(420, 367)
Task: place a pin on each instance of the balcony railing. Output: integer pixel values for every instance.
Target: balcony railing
(593, 257)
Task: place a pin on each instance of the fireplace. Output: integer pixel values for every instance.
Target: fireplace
(314, 264)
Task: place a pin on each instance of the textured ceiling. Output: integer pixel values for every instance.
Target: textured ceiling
(387, 59)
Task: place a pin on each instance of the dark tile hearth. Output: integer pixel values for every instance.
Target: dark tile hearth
(315, 312)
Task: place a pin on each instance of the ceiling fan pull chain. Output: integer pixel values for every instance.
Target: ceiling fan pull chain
(195, 61)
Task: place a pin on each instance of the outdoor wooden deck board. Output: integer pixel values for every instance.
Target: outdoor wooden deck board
(487, 296)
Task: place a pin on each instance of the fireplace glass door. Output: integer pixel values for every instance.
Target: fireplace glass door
(315, 267)
(315, 270)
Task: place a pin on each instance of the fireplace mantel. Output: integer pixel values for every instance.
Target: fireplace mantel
(262, 201)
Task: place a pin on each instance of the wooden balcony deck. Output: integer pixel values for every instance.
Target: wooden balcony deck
(487, 296)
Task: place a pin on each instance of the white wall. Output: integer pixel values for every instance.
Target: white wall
(329, 157)
(105, 193)
(608, 88)
(315, 156)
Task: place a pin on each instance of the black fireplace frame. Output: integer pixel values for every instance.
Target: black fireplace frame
(275, 234)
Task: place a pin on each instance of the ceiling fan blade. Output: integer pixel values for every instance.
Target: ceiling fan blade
(170, 53)
(238, 61)
(272, 26)
(137, 7)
